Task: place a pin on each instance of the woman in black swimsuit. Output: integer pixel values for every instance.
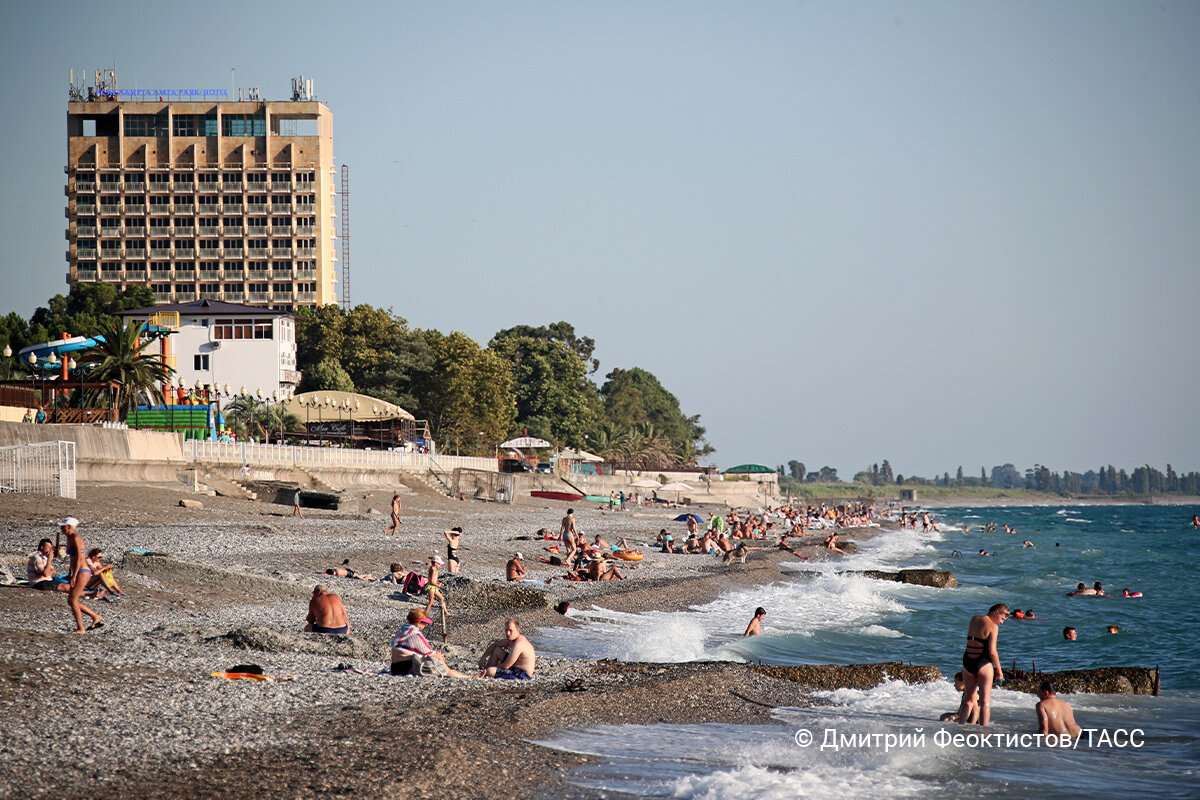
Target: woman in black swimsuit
(981, 662)
(452, 549)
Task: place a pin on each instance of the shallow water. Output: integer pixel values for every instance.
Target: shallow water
(827, 618)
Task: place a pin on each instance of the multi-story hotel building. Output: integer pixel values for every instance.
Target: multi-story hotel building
(230, 201)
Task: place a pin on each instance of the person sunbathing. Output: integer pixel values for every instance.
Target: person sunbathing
(601, 570)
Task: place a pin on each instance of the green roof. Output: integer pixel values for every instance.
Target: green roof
(742, 469)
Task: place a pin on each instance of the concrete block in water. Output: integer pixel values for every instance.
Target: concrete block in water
(852, 676)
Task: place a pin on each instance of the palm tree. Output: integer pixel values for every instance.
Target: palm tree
(121, 356)
(259, 418)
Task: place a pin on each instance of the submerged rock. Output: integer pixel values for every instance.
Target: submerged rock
(852, 676)
(1105, 680)
(919, 577)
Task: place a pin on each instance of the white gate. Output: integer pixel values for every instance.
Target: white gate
(45, 468)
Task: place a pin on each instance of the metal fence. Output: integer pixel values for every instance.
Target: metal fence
(282, 454)
(45, 468)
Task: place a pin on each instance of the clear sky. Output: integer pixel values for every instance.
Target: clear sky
(940, 233)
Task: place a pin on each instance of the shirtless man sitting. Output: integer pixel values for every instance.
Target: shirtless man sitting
(511, 657)
(326, 614)
(1054, 716)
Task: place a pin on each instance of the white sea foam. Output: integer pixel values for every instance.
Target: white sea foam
(824, 602)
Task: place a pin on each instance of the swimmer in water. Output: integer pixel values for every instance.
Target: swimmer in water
(1127, 593)
(1026, 543)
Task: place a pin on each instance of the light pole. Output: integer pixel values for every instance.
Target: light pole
(7, 366)
(279, 410)
(33, 379)
(73, 366)
(53, 360)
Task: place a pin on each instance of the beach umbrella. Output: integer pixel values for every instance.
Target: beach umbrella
(685, 517)
(676, 486)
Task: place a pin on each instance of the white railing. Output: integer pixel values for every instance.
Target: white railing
(265, 454)
(45, 468)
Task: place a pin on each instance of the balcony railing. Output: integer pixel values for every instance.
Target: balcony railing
(306, 273)
(110, 186)
(86, 275)
(210, 295)
(109, 208)
(259, 296)
(306, 297)
(306, 230)
(256, 230)
(305, 207)
(111, 275)
(90, 230)
(234, 297)
(306, 251)
(138, 186)
(233, 274)
(188, 187)
(259, 252)
(86, 252)
(136, 208)
(159, 209)
(232, 187)
(209, 253)
(258, 274)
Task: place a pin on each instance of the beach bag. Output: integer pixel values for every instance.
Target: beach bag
(414, 583)
(428, 666)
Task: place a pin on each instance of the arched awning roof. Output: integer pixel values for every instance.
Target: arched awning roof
(358, 407)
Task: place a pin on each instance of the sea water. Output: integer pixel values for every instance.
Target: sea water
(817, 616)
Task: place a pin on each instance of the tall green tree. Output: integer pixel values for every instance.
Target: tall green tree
(564, 332)
(470, 401)
(635, 396)
(124, 357)
(554, 398)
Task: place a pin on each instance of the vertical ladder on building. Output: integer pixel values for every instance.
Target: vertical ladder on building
(345, 237)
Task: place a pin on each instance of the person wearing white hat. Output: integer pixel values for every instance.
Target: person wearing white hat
(79, 574)
(515, 570)
(433, 588)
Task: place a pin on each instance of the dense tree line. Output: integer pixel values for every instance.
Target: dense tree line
(1107, 480)
(535, 380)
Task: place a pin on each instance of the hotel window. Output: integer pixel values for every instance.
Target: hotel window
(243, 125)
(281, 222)
(184, 124)
(200, 362)
(208, 202)
(256, 177)
(281, 268)
(262, 329)
(160, 222)
(110, 249)
(160, 245)
(145, 125)
(159, 180)
(207, 180)
(282, 288)
(233, 328)
(135, 226)
(210, 267)
(259, 288)
(163, 289)
(282, 245)
(233, 288)
(135, 247)
(210, 288)
(306, 287)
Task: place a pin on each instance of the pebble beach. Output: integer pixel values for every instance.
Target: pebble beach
(132, 709)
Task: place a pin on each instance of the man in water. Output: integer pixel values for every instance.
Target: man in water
(1054, 716)
(511, 657)
(1069, 634)
(1082, 591)
(755, 626)
(326, 614)
(1113, 629)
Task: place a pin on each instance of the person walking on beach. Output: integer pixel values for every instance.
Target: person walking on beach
(568, 531)
(296, 512)
(755, 626)
(1054, 716)
(78, 573)
(433, 588)
(395, 516)
(981, 662)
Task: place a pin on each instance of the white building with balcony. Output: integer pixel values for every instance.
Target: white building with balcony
(227, 344)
